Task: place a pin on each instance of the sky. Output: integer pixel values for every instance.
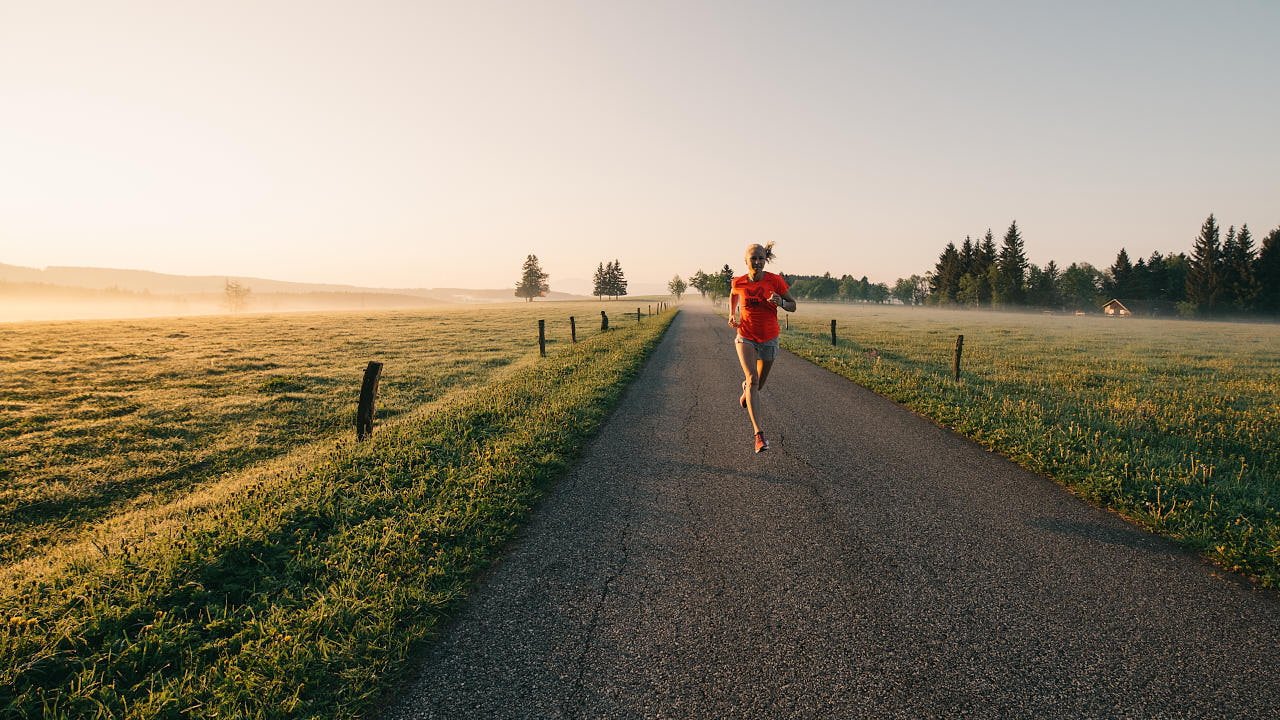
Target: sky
(436, 144)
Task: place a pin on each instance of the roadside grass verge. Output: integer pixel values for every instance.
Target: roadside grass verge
(1175, 425)
(302, 592)
(102, 418)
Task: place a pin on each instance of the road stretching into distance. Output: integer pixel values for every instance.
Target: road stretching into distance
(871, 564)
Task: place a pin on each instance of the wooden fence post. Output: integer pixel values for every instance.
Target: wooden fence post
(368, 400)
(637, 314)
(573, 330)
(604, 321)
(787, 318)
(955, 364)
(651, 309)
(542, 338)
(833, 333)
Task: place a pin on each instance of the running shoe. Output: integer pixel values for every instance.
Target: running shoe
(761, 443)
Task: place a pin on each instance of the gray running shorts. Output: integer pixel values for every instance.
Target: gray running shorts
(766, 351)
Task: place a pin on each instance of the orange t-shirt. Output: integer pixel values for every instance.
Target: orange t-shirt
(759, 316)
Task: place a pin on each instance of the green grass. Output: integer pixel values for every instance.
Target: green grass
(100, 418)
(1175, 425)
(299, 586)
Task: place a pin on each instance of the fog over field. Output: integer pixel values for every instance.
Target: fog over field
(81, 293)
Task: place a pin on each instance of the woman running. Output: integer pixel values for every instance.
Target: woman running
(761, 294)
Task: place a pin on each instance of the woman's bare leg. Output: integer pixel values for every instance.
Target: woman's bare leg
(762, 371)
(750, 385)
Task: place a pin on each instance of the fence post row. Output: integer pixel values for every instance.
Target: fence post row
(368, 400)
(956, 361)
(573, 330)
(542, 338)
(833, 333)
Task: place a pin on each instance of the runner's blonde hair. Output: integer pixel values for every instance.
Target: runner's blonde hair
(767, 248)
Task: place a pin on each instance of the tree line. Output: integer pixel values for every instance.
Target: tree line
(1228, 275)
(1231, 276)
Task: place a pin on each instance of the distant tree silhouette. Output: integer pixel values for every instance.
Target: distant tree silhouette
(236, 296)
(1120, 280)
(609, 280)
(600, 282)
(946, 276)
(722, 283)
(1266, 270)
(700, 281)
(617, 280)
(677, 287)
(1240, 280)
(1011, 288)
(1042, 286)
(1080, 287)
(533, 281)
(1204, 278)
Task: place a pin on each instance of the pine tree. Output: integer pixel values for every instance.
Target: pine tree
(1042, 286)
(985, 259)
(1157, 280)
(1120, 282)
(946, 276)
(968, 256)
(724, 282)
(533, 281)
(1242, 282)
(1266, 271)
(617, 281)
(1140, 280)
(600, 281)
(1013, 268)
(1176, 267)
(1228, 275)
(1204, 289)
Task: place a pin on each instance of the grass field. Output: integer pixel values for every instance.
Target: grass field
(101, 417)
(190, 528)
(1175, 425)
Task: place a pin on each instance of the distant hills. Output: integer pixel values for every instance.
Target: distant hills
(60, 293)
(162, 283)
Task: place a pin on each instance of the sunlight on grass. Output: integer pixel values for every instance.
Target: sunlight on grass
(301, 584)
(1174, 424)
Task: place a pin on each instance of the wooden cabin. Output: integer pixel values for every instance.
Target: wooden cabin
(1115, 308)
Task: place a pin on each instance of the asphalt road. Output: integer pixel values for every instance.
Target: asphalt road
(871, 564)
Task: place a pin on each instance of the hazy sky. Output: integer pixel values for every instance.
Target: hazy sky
(431, 144)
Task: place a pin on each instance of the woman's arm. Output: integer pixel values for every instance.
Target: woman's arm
(784, 301)
(733, 306)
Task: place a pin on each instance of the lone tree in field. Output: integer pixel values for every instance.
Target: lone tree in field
(237, 296)
(534, 281)
(677, 287)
